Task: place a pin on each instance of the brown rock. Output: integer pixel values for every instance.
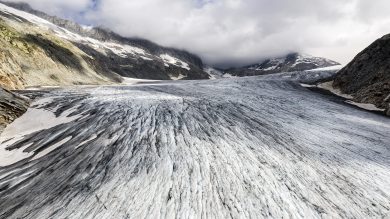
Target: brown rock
(367, 76)
(11, 107)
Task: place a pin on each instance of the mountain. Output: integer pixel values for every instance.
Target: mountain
(289, 63)
(39, 49)
(367, 76)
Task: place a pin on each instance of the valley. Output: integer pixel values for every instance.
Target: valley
(252, 146)
(98, 125)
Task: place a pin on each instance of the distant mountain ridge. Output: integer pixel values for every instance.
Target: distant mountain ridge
(106, 55)
(289, 63)
(103, 34)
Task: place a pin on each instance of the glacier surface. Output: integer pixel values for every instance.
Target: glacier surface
(256, 147)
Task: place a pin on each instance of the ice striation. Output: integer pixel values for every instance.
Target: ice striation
(253, 147)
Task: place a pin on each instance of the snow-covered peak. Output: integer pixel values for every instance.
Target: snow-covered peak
(309, 59)
(291, 62)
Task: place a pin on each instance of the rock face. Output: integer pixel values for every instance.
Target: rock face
(289, 63)
(31, 54)
(367, 77)
(11, 107)
(108, 53)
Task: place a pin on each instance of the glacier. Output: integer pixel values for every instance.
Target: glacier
(252, 147)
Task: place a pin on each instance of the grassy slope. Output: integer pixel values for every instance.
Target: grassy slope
(32, 56)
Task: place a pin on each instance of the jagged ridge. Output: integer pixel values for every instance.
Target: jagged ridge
(103, 52)
(289, 63)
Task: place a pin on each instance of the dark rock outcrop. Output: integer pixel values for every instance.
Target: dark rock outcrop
(11, 107)
(367, 77)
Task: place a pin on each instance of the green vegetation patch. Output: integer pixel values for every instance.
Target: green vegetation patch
(14, 38)
(27, 43)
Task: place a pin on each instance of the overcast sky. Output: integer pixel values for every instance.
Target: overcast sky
(238, 31)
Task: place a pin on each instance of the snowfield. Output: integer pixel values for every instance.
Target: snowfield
(256, 147)
(170, 60)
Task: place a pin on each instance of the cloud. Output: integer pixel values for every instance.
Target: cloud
(235, 32)
(58, 7)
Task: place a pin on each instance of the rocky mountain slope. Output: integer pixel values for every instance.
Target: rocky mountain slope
(38, 49)
(11, 107)
(289, 63)
(367, 77)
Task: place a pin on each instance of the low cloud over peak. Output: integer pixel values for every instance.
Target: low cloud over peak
(238, 32)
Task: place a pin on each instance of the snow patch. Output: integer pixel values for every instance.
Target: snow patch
(132, 81)
(329, 86)
(118, 49)
(170, 60)
(24, 125)
(10, 157)
(366, 106)
(178, 77)
(330, 68)
(124, 50)
(30, 17)
(43, 119)
(308, 85)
